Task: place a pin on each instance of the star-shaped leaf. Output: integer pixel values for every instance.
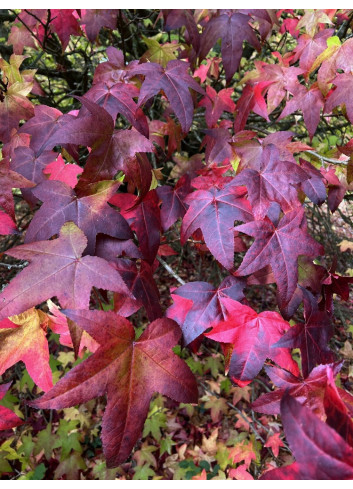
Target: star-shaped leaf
(216, 103)
(59, 258)
(14, 107)
(143, 287)
(252, 337)
(272, 181)
(172, 198)
(41, 127)
(342, 94)
(203, 304)
(94, 19)
(91, 212)
(144, 219)
(118, 99)
(309, 391)
(129, 371)
(310, 102)
(233, 28)
(214, 212)
(279, 246)
(311, 440)
(175, 82)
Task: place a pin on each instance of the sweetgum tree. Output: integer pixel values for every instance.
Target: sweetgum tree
(161, 171)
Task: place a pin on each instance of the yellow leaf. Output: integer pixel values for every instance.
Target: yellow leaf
(28, 343)
(346, 245)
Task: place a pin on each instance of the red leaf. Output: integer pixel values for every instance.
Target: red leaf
(118, 99)
(41, 127)
(274, 442)
(66, 173)
(128, 371)
(336, 189)
(344, 87)
(8, 419)
(20, 37)
(308, 391)
(7, 226)
(309, 48)
(94, 127)
(94, 19)
(173, 205)
(216, 103)
(58, 323)
(218, 145)
(31, 165)
(142, 286)
(252, 337)
(64, 23)
(338, 416)
(335, 284)
(314, 187)
(310, 102)
(144, 219)
(9, 180)
(59, 258)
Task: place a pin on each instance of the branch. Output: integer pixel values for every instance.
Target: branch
(324, 158)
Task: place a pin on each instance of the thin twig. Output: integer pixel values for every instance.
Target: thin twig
(171, 271)
(9, 266)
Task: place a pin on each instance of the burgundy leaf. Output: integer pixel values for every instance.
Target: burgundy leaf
(309, 391)
(233, 28)
(173, 206)
(144, 219)
(279, 246)
(175, 81)
(311, 337)
(273, 181)
(320, 452)
(90, 213)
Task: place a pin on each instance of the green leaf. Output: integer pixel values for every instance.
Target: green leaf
(27, 445)
(143, 473)
(39, 473)
(166, 445)
(46, 441)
